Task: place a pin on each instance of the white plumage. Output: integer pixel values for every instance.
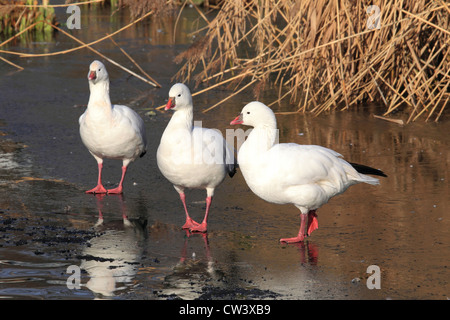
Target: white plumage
(307, 176)
(110, 131)
(192, 157)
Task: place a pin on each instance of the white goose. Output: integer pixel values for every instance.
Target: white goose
(192, 157)
(110, 131)
(287, 173)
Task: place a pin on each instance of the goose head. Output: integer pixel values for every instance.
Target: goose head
(97, 72)
(179, 97)
(256, 114)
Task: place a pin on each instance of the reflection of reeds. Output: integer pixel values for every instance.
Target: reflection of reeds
(322, 54)
(137, 8)
(16, 16)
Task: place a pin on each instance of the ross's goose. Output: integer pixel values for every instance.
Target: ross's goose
(287, 173)
(110, 131)
(192, 157)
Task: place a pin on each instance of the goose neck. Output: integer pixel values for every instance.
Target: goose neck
(99, 96)
(182, 119)
(262, 138)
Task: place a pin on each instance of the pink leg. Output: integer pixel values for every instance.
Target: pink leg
(203, 226)
(313, 224)
(189, 222)
(119, 189)
(301, 232)
(99, 188)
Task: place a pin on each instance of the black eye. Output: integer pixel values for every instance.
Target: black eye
(179, 95)
(248, 112)
(99, 69)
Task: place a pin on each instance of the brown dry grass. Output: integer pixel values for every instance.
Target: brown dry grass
(321, 55)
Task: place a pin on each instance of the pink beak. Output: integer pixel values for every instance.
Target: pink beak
(92, 75)
(238, 120)
(170, 104)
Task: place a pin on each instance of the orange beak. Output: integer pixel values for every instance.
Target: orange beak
(170, 104)
(92, 75)
(237, 120)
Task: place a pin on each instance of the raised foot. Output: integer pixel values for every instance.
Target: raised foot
(292, 240)
(98, 189)
(313, 223)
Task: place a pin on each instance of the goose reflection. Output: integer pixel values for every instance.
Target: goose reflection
(112, 258)
(309, 252)
(192, 272)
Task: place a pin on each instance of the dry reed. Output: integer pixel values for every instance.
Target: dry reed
(324, 55)
(150, 82)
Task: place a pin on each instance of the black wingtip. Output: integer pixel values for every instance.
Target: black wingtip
(231, 173)
(368, 170)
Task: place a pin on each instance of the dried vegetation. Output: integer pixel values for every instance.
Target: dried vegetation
(324, 55)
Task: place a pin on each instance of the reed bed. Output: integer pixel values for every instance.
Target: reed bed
(325, 55)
